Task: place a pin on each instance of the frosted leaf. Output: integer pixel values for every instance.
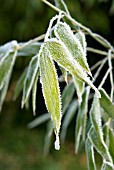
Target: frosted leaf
(64, 34)
(50, 87)
(62, 56)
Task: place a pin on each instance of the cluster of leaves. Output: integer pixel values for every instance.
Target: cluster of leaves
(68, 50)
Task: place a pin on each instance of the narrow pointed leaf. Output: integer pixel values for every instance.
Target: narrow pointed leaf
(107, 166)
(101, 147)
(19, 85)
(39, 120)
(68, 118)
(95, 115)
(106, 103)
(8, 47)
(67, 95)
(48, 138)
(109, 138)
(51, 92)
(62, 56)
(34, 92)
(79, 85)
(90, 155)
(30, 50)
(65, 34)
(61, 5)
(11, 59)
(30, 77)
(81, 119)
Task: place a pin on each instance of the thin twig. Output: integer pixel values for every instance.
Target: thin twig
(31, 41)
(96, 64)
(104, 78)
(111, 75)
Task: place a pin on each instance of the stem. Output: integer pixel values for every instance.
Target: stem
(97, 64)
(31, 41)
(111, 75)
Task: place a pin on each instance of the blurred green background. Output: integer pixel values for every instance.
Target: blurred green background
(21, 148)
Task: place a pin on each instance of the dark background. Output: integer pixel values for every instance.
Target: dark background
(21, 148)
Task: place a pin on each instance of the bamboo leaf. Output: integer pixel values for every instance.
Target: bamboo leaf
(6, 66)
(39, 120)
(51, 92)
(8, 47)
(67, 95)
(30, 50)
(101, 147)
(62, 56)
(34, 91)
(68, 118)
(79, 85)
(19, 85)
(30, 77)
(95, 115)
(81, 119)
(109, 138)
(106, 103)
(64, 33)
(90, 155)
(48, 138)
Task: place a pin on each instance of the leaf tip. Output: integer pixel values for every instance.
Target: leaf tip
(57, 143)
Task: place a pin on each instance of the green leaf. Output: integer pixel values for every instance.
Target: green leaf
(39, 120)
(30, 77)
(61, 55)
(67, 95)
(48, 138)
(109, 138)
(90, 155)
(51, 92)
(79, 88)
(95, 115)
(106, 103)
(81, 119)
(65, 34)
(20, 83)
(68, 118)
(6, 66)
(107, 166)
(30, 50)
(101, 147)
(8, 47)
(34, 92)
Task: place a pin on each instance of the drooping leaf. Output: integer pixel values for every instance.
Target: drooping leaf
(39, 120)
(95, 115)
(6, 66)
(107, 166)
(34, 91)
(81, 119)
(62, 56)
(106, 103)
(67, 95)
(30, 77)
(79, 88)
(19, 85)
(101, 147)
(30, 50)
(48, 138)
(51, 92)
(109, 138)
(90, 155)
(64, 33)
(68, 118)
(8, 47)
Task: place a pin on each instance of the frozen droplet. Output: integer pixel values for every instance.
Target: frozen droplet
(57, 143)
